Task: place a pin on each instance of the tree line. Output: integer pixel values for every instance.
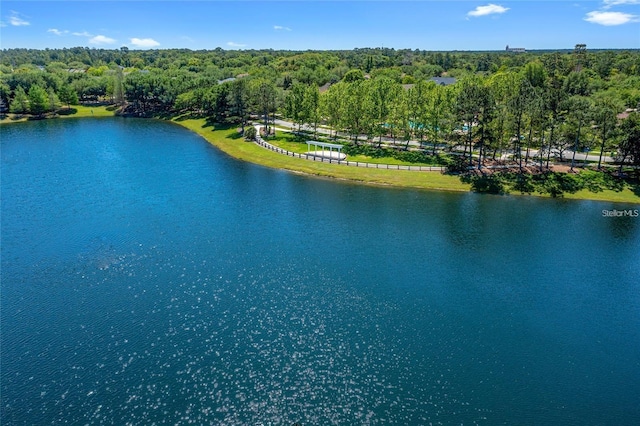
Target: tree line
(540, 102)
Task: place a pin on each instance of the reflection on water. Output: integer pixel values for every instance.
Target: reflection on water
(147, 278)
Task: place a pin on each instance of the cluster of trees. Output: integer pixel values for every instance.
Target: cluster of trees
(322, 66)
(509, 111)
(545, 101)
(39, 101)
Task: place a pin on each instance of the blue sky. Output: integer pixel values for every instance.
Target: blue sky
(301, 25)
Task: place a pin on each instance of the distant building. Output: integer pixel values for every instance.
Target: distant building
(324, 87)
(626, 113)
(443, 81)
(515, 49)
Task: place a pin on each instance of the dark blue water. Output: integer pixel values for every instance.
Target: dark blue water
(149, 279)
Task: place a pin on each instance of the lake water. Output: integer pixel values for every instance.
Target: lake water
(147, 278)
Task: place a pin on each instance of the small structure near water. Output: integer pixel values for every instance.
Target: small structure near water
(323, 152)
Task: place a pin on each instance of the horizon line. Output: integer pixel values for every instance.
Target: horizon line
(313, 50)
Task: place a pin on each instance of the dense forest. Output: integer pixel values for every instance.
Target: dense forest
(484, 104)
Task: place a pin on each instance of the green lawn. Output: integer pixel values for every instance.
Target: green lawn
(87, 111)
(76, 111)
(298, 144)
(229, 142)
(385, 160)
(289, 141)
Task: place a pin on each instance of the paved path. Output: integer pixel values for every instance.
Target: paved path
(567, 155)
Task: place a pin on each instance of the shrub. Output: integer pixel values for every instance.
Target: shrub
(250, 133)
(522, 182)
(489, 184)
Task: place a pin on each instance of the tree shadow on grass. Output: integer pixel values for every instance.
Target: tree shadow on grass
(67, 111)
(633, 183)
(210, 122)
(599, 181)
(216, 125)
(234, 135)
(298, 137)
(522, 183)
(190, 116)
(164, 116)
(553, 184)
(233, 132)
(184, 117)
(615, 183)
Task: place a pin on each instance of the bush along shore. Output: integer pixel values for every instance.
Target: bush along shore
(554, 184)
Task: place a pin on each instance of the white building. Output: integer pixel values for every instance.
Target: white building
(515, 49)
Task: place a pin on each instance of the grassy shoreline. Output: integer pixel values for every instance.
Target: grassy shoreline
(229, 142)
(76, 111)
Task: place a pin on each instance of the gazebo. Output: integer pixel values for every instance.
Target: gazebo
(320, 150)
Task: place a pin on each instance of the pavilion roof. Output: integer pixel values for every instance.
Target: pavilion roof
(325, 144)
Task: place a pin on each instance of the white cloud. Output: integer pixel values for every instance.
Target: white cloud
(17, 21)
(56, 31)
(100, 39)
(281, 28)
(610, 3)
(610, 18)
(144, 42)
(82, 34)
(489, 9)
(234, 44)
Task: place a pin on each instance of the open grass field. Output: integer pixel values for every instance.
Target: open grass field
(76, 111)
(385, 160)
